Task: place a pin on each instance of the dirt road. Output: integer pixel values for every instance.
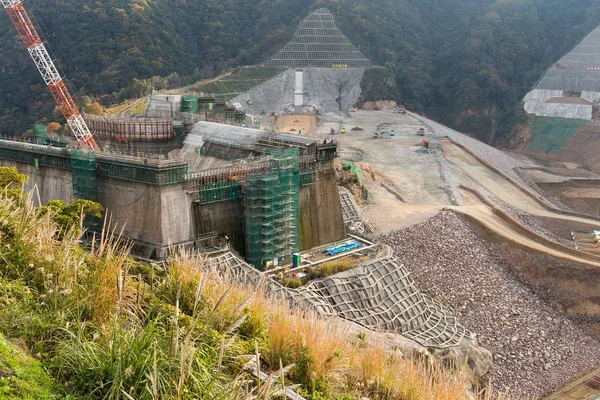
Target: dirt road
(420, 181)
(501, 187)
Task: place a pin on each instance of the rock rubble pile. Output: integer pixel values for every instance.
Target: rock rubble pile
(536, 349)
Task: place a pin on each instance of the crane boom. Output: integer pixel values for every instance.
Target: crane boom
(35, 46)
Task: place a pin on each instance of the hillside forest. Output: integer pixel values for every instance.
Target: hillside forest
(467, 63)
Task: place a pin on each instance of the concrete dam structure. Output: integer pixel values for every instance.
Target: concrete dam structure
(288, 184)
(268, 194)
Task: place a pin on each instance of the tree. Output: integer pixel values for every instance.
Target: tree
(53, 127)
(12, 181)
(68, 215)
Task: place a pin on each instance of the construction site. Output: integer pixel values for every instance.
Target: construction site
(398, 226)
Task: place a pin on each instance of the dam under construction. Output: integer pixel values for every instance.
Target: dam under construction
(401, 229)
(286, 190)
(197, 164)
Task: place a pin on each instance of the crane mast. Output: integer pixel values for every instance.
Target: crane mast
(35, 46)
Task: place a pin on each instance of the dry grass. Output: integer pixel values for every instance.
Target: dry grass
(332, 267)
(324, 351)
(207, 311)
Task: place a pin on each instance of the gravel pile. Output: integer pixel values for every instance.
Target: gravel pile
(536, 349)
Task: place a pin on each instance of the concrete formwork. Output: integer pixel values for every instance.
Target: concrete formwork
(225, 218)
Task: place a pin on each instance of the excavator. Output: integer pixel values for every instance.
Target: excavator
(56, 85)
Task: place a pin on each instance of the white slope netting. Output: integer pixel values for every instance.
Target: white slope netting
(579, 70)
(379, 294)
(319, 43)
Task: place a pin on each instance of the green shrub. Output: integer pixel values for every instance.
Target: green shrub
(22, 377)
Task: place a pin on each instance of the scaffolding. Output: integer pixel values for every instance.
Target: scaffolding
(83, 170)
(272, 206)
(145, 168)
(308, 174)
(41, 134)
(327, 151)
(220, 191)
(189, 104)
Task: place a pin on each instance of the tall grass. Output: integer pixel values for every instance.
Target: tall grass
(108, 331)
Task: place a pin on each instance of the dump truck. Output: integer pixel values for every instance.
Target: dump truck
(421, 132)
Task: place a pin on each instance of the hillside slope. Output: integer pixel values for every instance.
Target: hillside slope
(472, 58)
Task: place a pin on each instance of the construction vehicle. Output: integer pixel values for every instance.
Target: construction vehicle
(425, 144)
(343, 130)
(421, 132)
(38, 52)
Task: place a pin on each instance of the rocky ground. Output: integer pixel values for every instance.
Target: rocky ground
(536, 349)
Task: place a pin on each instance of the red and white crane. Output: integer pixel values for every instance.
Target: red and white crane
(44, 64)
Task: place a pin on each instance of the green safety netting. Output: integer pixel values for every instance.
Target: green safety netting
(272, 206)
(189, 104)
(219, 191)
(41, 134)
(83, 170)
(550, 134)
(350, 165)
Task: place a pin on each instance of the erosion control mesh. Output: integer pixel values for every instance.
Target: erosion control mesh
(319, 43)
(579, 70)
(240, 81)
(377, 294)
(550, 134)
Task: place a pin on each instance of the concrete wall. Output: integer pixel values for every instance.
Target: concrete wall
(224, 217)
(321, 219)
(155, 214)
(51, 183)
(166, 214)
